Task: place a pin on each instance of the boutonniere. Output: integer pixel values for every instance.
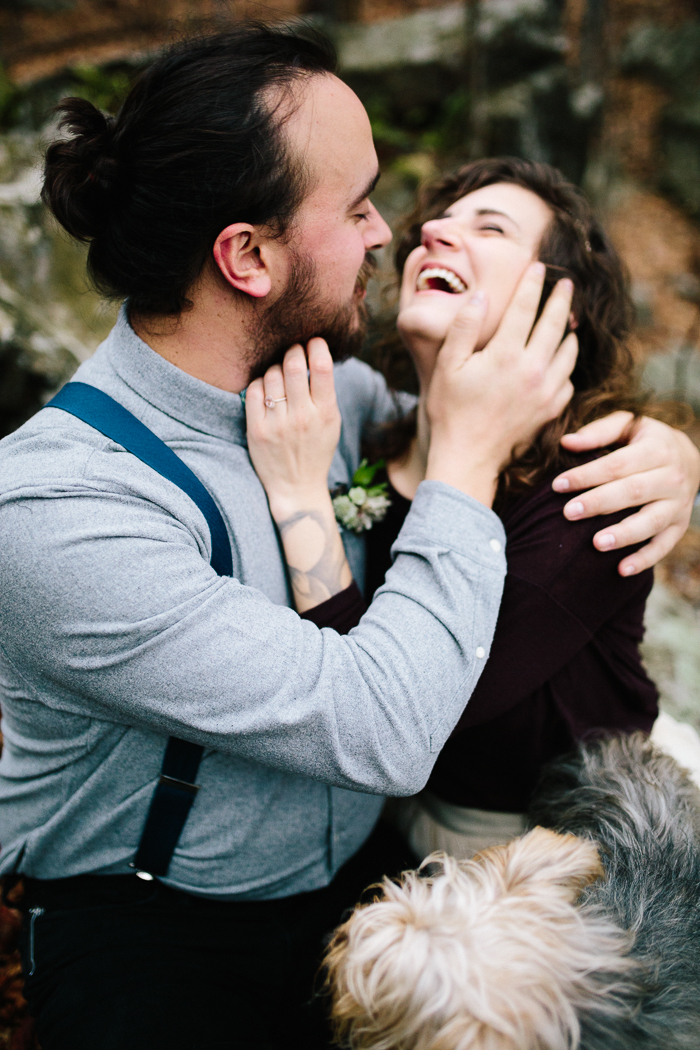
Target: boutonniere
(359, 506)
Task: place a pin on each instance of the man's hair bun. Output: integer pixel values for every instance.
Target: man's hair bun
(80, 170)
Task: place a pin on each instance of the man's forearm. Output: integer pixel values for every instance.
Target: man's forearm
(152, 638)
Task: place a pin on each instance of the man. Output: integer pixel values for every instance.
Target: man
(229, 204)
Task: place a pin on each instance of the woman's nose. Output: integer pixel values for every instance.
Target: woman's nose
(438, 232)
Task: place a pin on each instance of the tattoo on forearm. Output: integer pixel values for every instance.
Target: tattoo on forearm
(315, 555)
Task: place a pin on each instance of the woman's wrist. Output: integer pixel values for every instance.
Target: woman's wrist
(318, 567)
(286, 503)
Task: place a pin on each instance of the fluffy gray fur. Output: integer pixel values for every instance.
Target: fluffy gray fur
(644, 813)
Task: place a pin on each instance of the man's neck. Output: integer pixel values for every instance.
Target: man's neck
(210, 341)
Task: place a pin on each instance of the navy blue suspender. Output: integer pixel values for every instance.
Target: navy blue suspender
(176, 789)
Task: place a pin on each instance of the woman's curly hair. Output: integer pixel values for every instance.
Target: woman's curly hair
(574, 246)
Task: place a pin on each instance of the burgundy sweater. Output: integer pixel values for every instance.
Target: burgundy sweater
(564, 665)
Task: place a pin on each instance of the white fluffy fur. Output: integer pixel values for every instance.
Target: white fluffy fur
(488, 954)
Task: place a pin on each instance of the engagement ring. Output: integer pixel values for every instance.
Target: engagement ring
(270, 402)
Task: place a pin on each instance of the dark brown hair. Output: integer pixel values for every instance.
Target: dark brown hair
(574, 246)
(194, 148)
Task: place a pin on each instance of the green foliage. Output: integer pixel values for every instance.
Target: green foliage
(437, 129)
(384, 129)
(28, 107)
(451, 131)
(10, 99)
(671, 57)
(667, 54)
(415, 111)
(364, 475)
(105, 88)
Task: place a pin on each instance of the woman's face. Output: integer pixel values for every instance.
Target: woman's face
(483, 242)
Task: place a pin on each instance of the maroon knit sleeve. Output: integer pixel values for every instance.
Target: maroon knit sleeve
(342, 612)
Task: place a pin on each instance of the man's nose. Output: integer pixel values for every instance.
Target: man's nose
(437, 232)
(378, 231)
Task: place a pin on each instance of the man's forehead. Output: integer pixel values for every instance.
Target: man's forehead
(330, 132)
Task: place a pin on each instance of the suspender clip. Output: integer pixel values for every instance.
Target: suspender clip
(183, 785)
(140, 874)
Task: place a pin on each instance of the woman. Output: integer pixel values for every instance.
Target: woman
(565, 662)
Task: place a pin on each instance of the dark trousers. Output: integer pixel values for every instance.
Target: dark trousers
(117, 963)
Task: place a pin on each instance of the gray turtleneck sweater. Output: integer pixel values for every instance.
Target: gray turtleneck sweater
(116, 633)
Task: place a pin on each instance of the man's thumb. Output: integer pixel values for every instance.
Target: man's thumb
(463, 334)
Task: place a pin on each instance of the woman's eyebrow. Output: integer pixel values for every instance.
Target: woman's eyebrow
(495, 211)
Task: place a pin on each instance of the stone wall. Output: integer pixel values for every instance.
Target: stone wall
(608, 90)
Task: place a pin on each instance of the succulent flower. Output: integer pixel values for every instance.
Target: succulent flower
(362, 504)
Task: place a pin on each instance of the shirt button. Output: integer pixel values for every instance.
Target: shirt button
(481, 652)
(495, 545)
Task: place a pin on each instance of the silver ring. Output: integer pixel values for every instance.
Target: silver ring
(270, 402)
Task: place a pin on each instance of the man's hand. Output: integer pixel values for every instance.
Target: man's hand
(659, 471)
(482, 405)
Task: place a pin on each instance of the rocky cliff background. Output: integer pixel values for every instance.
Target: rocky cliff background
(607, 90)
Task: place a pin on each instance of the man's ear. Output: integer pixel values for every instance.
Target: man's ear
(237, 251)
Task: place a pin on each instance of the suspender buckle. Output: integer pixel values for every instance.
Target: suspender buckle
(183, 785)
(140, 874)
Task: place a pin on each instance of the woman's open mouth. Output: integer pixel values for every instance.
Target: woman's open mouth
(440, 279)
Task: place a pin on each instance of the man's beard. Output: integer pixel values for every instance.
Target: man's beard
(299, 314)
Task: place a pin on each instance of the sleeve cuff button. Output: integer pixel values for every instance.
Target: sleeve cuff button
(480, 652)
(495, 545)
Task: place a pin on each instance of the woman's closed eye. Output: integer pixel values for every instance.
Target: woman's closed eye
(492, 226)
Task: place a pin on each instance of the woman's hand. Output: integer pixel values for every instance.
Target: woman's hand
(293, 426)
(482, 405)
(659, 470)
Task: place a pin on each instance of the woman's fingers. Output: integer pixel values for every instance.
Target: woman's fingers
(274, 387)
(295, 378)
(321, 377)
(648, 556)
(254, 404)
(599, 433)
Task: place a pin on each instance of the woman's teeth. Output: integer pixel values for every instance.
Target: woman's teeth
(436, 277)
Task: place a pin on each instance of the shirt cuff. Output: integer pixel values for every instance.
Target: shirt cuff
(442, 516)
(342, 612)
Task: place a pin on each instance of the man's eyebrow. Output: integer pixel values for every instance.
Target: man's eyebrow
(495, 211)
(369, 188)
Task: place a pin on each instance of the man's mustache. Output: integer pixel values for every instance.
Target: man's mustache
(367, 270)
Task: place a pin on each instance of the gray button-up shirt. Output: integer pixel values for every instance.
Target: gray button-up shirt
(116, 633)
